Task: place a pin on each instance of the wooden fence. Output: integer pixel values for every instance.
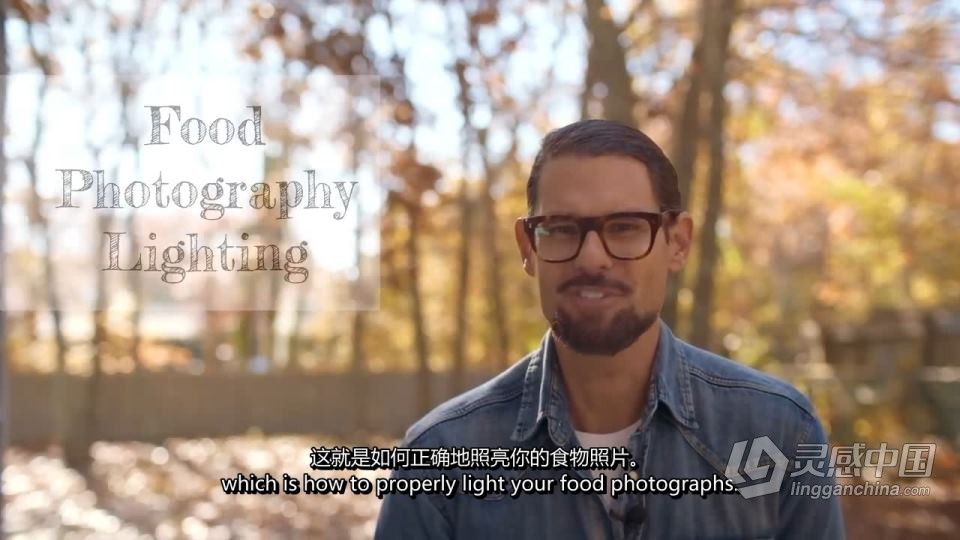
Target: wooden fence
(907, 361)
(154, 406)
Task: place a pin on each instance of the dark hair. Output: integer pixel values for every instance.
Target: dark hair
(605, 138)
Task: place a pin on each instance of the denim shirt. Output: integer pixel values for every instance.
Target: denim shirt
(700, 405)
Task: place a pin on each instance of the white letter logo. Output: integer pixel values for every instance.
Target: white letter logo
(754, 470)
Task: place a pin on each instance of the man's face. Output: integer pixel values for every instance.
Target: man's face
(597, 304)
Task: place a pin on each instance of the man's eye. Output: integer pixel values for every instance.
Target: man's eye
(558, 229)
(624, 227)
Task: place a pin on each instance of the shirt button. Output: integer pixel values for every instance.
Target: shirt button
(634, 474)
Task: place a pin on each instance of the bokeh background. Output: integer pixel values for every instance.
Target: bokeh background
(818, 147)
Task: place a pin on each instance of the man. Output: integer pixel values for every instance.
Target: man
(605, 231)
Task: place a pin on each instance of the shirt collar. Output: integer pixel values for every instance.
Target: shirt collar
(544, 398)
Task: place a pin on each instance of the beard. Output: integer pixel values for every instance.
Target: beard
(590, 336)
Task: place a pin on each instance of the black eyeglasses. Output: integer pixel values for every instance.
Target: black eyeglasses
(625, 236)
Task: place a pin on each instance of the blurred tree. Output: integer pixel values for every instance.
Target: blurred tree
(44, 61)
(607, 76)
(34, 17)
(719, 20)
(417, 179)
(359, 365)
(465, 199)
(125, 41)
(686, 141)
(89, 429)
(4, 353)
(472, 97)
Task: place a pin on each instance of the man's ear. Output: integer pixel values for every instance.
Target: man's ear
(526, 250)
(680, 235)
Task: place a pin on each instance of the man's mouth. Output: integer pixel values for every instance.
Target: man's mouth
(593, 293)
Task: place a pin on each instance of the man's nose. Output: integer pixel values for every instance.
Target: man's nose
(592, 255)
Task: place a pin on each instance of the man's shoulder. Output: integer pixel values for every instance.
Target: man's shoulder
(720, 377)
(735, 403)
(481, 416)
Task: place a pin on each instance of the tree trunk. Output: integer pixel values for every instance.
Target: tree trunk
(37, 218)
(89, 428)
(125, 89)
(497, 313)
(210, 337)
(466, 204)
(293, 342)
(135, 283)
(3, 276)
(245, 338)
(607, 64)
(720, 21)
(686, 141)
(275, 232)
(424, 377)
(89, 431)
(358, 360)
(358, 368)
(462, 292)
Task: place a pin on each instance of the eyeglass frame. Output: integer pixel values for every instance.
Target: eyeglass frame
(596, 223)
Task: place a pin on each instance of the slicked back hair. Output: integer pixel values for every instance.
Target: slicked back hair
(594, 138)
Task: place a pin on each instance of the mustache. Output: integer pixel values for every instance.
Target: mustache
(585, 280)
